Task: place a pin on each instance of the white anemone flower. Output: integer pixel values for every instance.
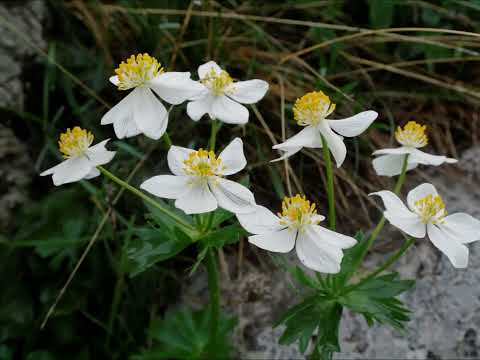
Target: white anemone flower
(140, 111)
(311, 111)
(318, 248)
(81, 158)
(426, 215)
(223, 98)
(412, 137)
(198, 183)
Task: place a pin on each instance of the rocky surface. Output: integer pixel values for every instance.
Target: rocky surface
(445, 322)
(445, 302)
(27, 19)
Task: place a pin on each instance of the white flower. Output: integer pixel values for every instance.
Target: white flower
(198, 184)
(81, 158)
(412, 137)
(140, 111)
(222, 95)
(311, 111)
(318, 248)
(426, 214)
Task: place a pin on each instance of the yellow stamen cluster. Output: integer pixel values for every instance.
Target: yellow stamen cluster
(75, 142)
(412, 134)
(137, 70)
(297, 211)
(217, 82)
(431, 209)
(312, 107)
(202, 163)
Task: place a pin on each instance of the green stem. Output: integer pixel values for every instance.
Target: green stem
(381, 223)
(330, 189)
(214, 289)
(167, 141)
(216, 125)
(391, 260)
(401, 177)
(144, 197)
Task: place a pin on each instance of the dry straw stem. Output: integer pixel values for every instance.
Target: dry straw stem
(413, 75)
(181, 33)
(384, 32)
(400, 64)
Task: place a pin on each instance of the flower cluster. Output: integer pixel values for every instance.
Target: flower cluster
(198, 181)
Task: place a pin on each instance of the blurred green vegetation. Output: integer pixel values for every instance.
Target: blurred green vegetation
(125, 298)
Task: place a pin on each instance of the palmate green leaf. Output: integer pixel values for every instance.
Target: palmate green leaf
(317, 312)
(227, 235)
(350, 260)
(184, 334)
(376, 300)
(153, 245)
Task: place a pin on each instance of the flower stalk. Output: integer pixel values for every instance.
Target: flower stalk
(145, 198)
(214, 290)
(390, 261)
(330, 186)
(381, 223)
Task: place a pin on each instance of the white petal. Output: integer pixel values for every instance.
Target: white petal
(391, 165)
(121, 116)
(395, 151)
(281, 241)
(196, 200)
(307, 137)
(428, 159)
(399, 215)
(92, 174)
(196, 109)
(233, 158)
(176, 87)
(232, 196)
(166, 186)
(229, 111)
(420, 192)
(316, 254)
(260, 221)
(149, 114)
(248, 92)
(333, 238)
(287, 152)
(204, 69)
(354, 125)
(114, 80)
(456, 252)
(409, 223)
(176, 159)
(98, 154)
(463, 227)
(335, 142)
(70, 170)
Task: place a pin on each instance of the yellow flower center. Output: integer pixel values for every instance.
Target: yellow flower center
(137, 70)
(312, 108)
(431, 209)
(412, 134)
(75, 142)
(218, 83)
(297, 211)
(202, 163)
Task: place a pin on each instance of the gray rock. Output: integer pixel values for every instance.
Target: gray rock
(445, 302)
(26, 18)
